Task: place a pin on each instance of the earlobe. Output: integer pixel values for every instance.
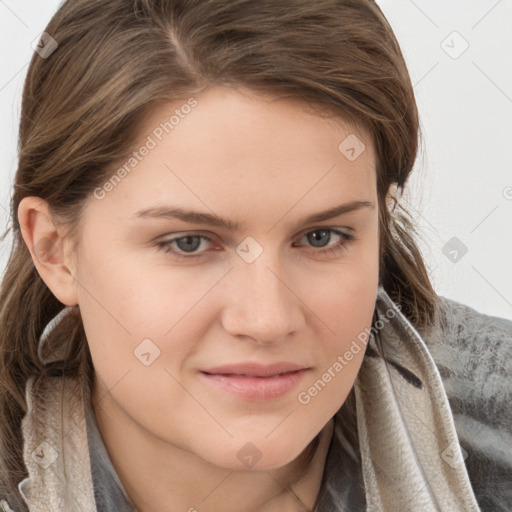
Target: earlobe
(47, 248)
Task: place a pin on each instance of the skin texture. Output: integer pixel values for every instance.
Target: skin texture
(266, 163)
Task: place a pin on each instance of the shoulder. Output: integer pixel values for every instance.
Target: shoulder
(473, 352)
(454, 314)
(469, 341)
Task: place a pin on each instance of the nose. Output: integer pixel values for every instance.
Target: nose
(262, 304)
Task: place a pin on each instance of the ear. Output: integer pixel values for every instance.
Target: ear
(48, 249)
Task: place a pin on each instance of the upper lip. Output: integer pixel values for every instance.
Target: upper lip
(255, 369)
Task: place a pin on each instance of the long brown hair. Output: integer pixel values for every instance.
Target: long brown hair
(82, 107)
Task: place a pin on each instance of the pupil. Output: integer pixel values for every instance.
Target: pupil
(314, 237)
(184, 243)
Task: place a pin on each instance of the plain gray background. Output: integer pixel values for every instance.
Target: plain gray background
(459, 54)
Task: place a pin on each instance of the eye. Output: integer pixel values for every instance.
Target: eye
(186, 247)
(322, 236)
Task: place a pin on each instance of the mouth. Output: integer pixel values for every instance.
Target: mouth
(263, 383)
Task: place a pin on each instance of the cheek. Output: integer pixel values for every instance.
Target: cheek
(339, 355)
(138, 317)
(124, 292)
(344, 306)
(344, 295)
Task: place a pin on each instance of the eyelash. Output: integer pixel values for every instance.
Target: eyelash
(346, 239)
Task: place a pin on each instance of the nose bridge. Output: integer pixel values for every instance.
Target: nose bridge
(261, 304)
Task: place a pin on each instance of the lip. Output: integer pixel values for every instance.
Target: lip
(254, 381)
(255, 369)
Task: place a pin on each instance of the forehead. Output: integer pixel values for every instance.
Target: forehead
(230, 148)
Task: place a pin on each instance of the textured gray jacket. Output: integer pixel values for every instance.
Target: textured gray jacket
(434, 420)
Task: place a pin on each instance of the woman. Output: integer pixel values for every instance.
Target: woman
(176, 335)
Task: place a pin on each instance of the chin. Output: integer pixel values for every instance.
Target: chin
(257, 455)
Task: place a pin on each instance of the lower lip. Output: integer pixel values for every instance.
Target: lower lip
(257, 388)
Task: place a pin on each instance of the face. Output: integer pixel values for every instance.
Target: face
(168, 299)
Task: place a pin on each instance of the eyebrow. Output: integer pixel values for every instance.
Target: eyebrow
(195, 217)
